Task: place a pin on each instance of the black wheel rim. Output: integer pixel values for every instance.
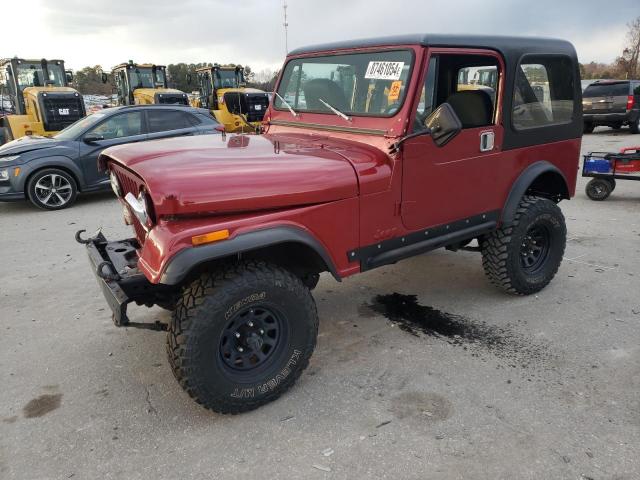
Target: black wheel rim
(598, 189)
(251, 338)
(534, 249)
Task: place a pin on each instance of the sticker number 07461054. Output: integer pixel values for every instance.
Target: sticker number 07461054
(384, 70)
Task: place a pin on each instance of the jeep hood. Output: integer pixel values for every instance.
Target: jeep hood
(226, 174)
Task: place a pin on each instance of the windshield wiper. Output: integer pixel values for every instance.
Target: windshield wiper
(335, 110)
(284, 102)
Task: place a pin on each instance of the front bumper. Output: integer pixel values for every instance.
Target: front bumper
(114, 265)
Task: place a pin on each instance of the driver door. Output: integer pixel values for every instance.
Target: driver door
(441, 185)
(118, 129)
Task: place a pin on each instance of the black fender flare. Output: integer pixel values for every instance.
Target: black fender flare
(189, 258)
(522, 183)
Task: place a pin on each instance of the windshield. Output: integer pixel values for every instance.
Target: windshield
(360, 84)
(32, 75)
(143, 77)
(75, 129)
(228, 78)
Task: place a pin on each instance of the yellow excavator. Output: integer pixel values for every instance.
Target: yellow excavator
(144, 84)
(223, 91)
(35, 98)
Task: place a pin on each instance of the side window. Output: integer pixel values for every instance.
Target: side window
(469, 83)
(543, 93)
(119, 126)
(636, 89)
(164, 120)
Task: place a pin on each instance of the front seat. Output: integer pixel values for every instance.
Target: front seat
(327, 90)
(473, 107)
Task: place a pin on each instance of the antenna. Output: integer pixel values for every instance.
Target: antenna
(286, 25)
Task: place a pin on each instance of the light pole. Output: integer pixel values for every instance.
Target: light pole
(286, 39)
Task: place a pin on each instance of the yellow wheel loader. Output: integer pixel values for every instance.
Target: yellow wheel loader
(35, 98)
(144, 84)
(222, 90)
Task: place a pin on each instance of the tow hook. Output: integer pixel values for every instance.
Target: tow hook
(85, 241)
(107, 275)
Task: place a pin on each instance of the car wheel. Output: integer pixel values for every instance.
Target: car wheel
(241, 336)
(635, 126)
(599, 189)
(588, 128)
(524, 256)
(52, 189)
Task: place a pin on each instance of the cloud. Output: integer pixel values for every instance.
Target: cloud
(250, 32)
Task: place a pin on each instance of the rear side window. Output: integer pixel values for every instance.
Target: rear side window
(617, 89)
(204, 119)
(544, 92)
(163, 120)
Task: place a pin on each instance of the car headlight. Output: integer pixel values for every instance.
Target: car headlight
(115, 184)
(9, 158)
(4, 175)
(140, 208)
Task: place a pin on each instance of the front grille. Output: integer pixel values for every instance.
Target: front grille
(59, 110)
(130, 183)
(172, 99)
(253, 105)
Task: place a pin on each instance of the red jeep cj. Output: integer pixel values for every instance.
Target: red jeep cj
(373, 151)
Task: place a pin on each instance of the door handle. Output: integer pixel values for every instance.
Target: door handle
(487, 140)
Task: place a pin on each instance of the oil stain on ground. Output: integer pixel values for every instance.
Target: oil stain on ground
(418, 320)
(42, 405)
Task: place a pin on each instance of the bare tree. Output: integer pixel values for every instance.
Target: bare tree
(628, 62)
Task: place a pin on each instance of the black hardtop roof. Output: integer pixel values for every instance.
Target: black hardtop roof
(507, 45)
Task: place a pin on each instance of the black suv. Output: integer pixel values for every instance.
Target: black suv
(51, 171)
(613, 103)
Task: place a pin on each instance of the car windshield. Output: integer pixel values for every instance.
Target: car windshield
(32, 75)
(359, 84)
(606, 90)
(228, 78)
(143, 77)
(75, 129)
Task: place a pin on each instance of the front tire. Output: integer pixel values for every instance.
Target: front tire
(52, 189)
(599, 189)
(523, 257)
(241, 336)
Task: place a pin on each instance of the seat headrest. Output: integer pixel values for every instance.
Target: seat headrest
(327, 90)
(473, 107)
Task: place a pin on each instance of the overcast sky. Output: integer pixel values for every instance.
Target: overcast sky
(250, 32)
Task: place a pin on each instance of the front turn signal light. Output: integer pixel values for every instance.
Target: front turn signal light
(210, 237)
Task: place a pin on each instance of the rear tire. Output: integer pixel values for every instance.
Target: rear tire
(588, 128)
(635, 126)
(241, 336)
(599, 189)
(524, 256)
(52, 189)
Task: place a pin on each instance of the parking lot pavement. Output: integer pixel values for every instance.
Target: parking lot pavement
(534, 387)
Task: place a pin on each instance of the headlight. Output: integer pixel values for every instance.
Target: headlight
(4, 175)
(9, 158)
(115, 184)
(140, 208)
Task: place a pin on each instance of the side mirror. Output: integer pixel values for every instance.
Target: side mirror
(444, 124)
(69, 76)
(92, 138)
(104, 77)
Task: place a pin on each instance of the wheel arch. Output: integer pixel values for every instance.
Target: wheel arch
(66, 166)
(541, 179)
(287, 246)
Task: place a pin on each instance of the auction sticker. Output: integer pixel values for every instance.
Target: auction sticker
(384, 70)
(394, 91)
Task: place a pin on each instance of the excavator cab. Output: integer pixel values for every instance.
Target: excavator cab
(35, 98)
(223, 90)
(144, 84)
